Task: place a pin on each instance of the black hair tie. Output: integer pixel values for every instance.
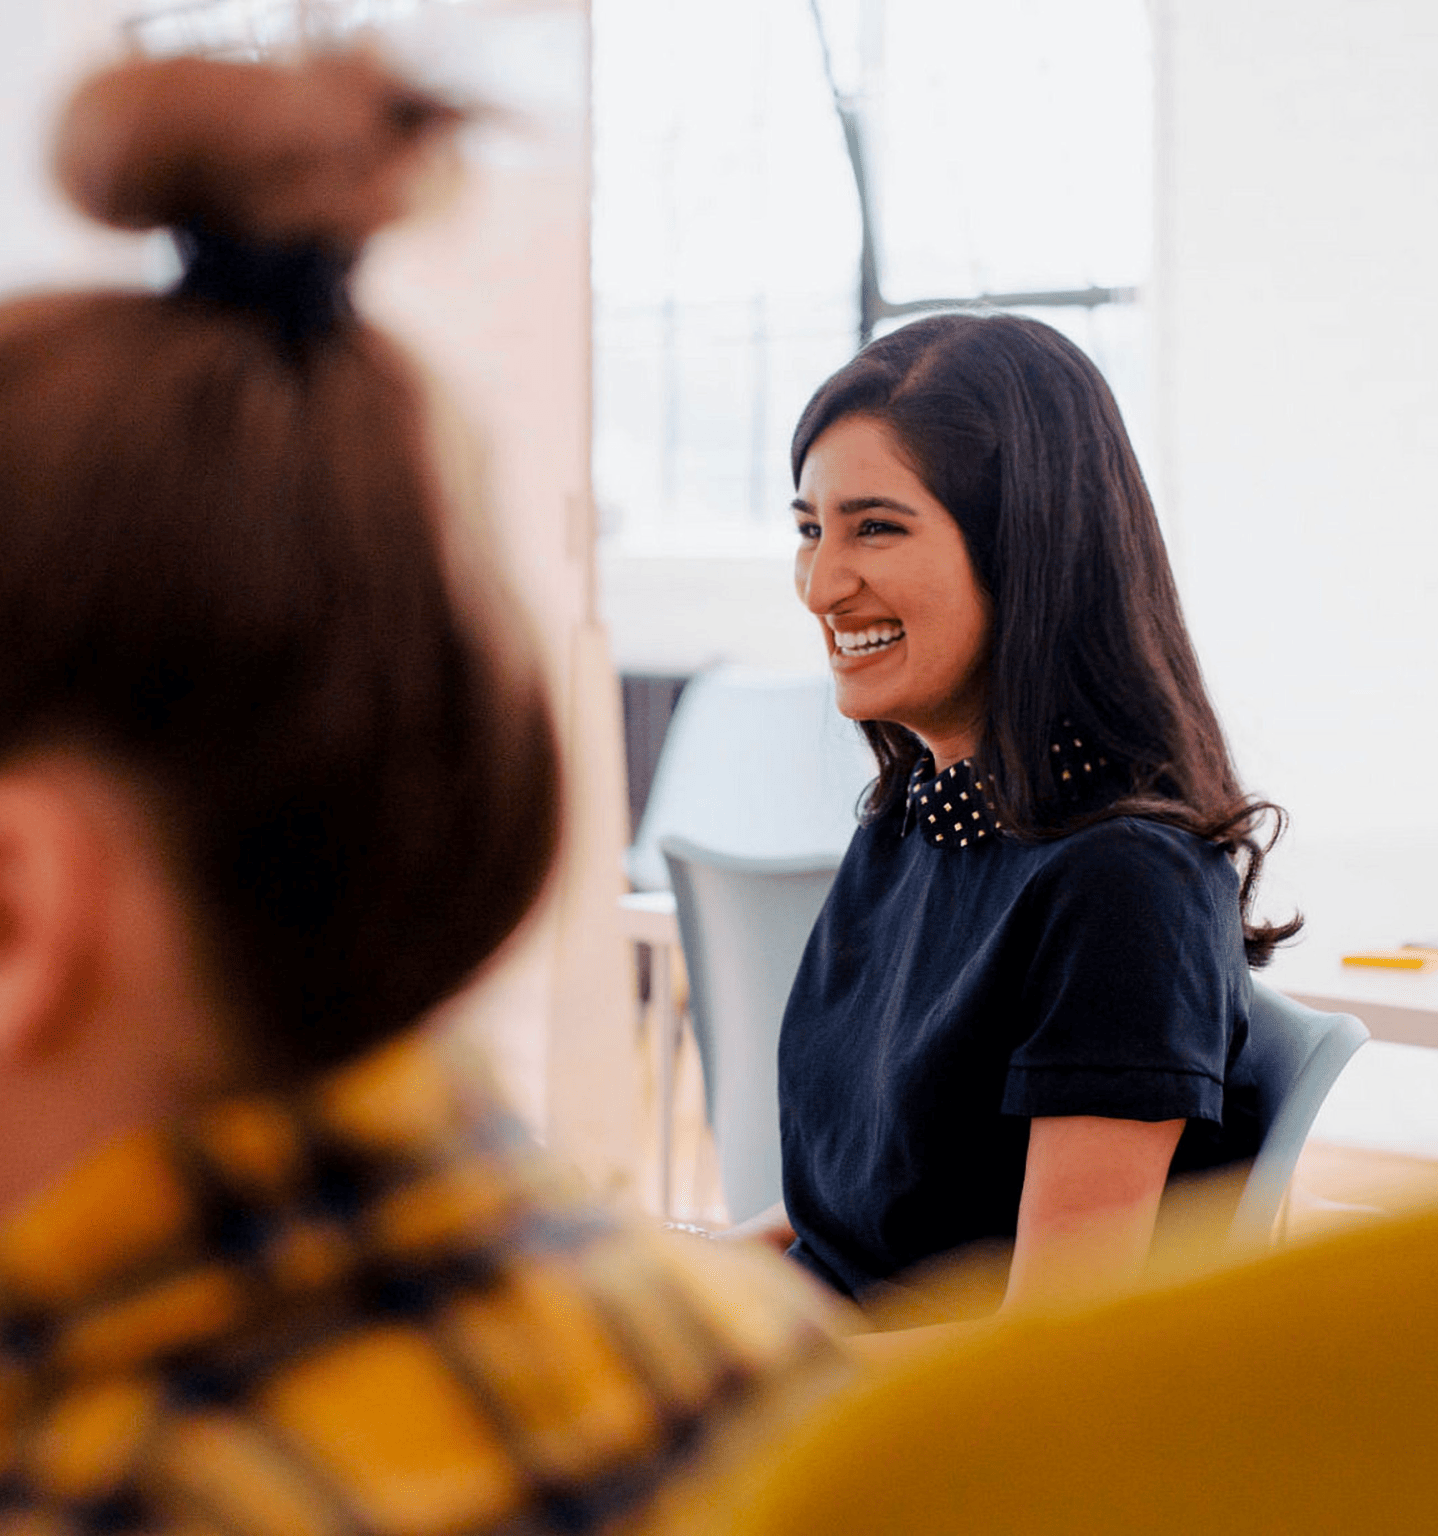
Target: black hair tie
(301, 288)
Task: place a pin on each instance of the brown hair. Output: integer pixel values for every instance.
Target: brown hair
(222, 563)
(1015, 432)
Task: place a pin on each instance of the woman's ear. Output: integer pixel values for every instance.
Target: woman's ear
(51, 895)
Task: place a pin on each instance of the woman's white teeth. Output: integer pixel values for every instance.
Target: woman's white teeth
(867, 640)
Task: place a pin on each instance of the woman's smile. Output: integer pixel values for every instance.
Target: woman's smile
(884, 567)
(854, 645)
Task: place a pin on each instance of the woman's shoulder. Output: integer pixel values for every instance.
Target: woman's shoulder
(1144, 859)
(1124, 838)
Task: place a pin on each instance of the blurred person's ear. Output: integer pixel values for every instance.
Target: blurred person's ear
(109, 1019)
(51, 867)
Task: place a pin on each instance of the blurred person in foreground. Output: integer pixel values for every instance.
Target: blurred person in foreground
(274, 781)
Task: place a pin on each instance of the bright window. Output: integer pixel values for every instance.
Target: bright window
(1008, 151)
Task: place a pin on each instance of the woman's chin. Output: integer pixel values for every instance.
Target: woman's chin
(873, 685)
(856, 702)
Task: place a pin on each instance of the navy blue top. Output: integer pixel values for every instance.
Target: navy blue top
(959, 982)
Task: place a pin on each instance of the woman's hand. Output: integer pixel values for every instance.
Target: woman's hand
(1090, 1198)
(771, 1227)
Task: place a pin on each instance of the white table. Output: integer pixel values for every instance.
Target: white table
(1374, 894)
(1395, 1005)
(1358, 896)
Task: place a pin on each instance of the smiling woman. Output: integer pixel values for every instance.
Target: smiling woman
(1025, 1003)
(887, 570)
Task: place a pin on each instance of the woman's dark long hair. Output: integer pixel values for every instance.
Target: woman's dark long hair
(1015, 432)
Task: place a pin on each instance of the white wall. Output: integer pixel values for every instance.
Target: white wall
(678, 614)
(494, 294)
(45, 49)
(1296, 300)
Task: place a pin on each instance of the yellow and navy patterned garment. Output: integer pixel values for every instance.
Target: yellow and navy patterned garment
(368, 1307)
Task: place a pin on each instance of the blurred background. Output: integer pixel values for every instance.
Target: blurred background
(1006, 150)
(1231, 204)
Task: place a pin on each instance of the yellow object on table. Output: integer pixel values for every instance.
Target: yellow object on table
(1407, 957)
(1389, 960)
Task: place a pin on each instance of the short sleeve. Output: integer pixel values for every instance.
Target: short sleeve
(1137, 981)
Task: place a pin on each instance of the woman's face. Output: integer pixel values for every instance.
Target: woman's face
(886, 571)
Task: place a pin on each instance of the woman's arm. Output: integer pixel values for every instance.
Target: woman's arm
(1086, 1217)
(1090, 1198)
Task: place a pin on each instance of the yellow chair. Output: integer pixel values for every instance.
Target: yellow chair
(1297, 1392)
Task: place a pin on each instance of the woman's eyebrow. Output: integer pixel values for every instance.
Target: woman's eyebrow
(859, 504)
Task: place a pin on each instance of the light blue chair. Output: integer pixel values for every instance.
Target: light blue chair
(755, 763)
(1298, 1055)
(743, 923)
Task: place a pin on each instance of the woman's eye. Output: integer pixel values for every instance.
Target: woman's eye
(873, 526)
(807, 531)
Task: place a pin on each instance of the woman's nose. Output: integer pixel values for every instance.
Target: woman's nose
(823, 575)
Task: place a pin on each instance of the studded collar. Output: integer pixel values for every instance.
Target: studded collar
(950, 808)
(953, 809)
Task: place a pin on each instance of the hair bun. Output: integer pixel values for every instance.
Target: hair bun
(326, 149)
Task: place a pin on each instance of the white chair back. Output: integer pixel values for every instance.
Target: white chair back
(756, 764)
(744, 924)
